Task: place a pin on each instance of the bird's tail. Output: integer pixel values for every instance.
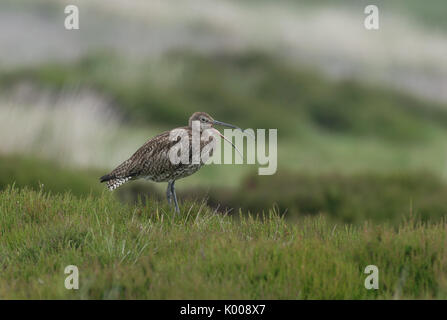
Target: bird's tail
(119, 176)
(114, 182)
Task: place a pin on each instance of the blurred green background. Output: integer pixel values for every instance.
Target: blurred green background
(361, 115)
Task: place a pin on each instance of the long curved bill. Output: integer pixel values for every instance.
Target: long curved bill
(229, 141)
(220, 123)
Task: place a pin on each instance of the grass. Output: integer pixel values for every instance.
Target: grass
(37, 174)
(345, 198)
(143, 251)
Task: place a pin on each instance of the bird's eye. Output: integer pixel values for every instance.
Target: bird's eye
(202, 119)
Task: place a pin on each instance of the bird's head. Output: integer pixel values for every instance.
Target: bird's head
(207, 122)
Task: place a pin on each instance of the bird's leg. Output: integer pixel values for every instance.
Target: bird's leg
(177, 210)
(169, 193)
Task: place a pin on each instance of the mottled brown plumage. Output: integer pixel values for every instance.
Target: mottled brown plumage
(152, 161)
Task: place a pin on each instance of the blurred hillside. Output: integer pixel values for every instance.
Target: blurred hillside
(361, 116)
(408, 52)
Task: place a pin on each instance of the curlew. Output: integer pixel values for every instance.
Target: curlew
(152, 160)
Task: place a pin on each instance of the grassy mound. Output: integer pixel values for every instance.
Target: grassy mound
(37, 173)
(143, 251)
(344, 198)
